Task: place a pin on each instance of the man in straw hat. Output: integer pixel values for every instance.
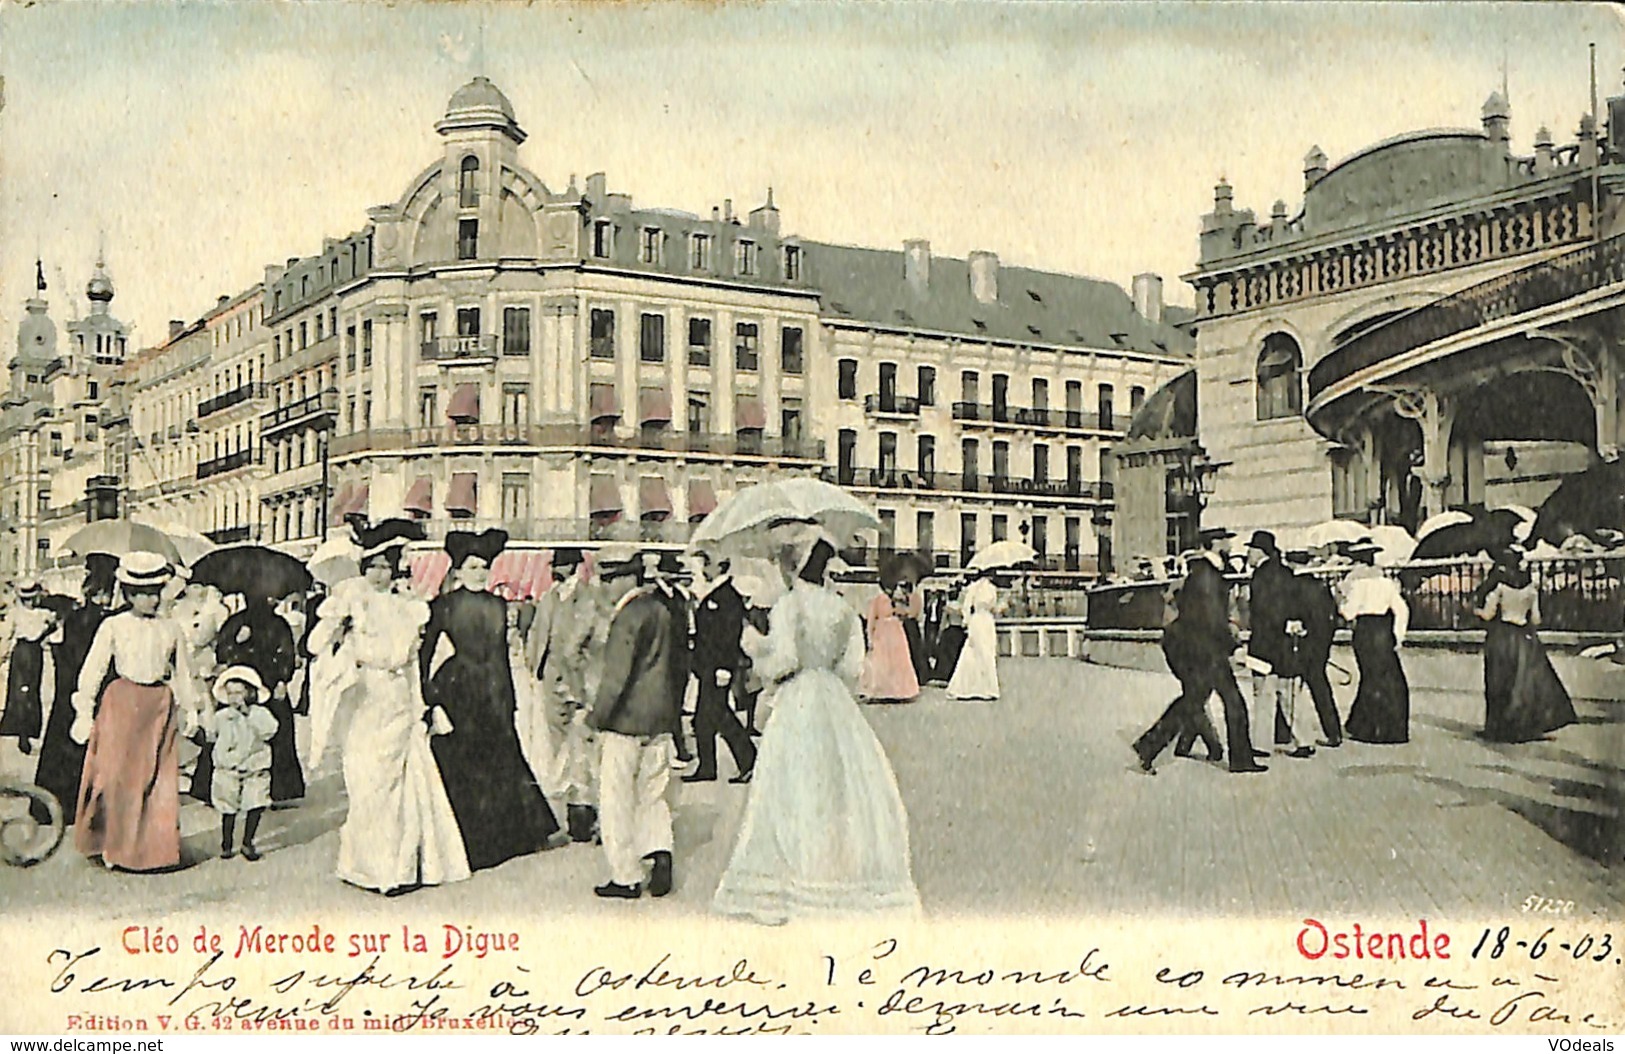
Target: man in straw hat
(1197, 645)
(637, 706)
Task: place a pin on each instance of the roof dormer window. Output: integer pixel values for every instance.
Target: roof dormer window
(603, 239)
(649, 242)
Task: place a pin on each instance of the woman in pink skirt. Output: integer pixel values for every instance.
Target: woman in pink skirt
(888, 668)
(129, 796)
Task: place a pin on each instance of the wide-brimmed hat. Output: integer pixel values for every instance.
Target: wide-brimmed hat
(248, 675)
(617, 560)
(29, 588)
(142, 570)
(566, 556)
(389, 534)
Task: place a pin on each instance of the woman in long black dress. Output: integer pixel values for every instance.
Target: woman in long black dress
(1523, 697)
(260, 638)
(1381, 712)
(61, 760)
(31, 625)
(500, 809)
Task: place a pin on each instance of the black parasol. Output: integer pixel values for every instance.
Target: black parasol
(252, 570)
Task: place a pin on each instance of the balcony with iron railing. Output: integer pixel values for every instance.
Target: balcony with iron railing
(861, 477)
(1036, 418)
(228, 463)
(1550, 282)
(230, 535)
(315, 354)
(891, 406)
(577, 436)
(241, 394)
(478, 347)
(309, 410)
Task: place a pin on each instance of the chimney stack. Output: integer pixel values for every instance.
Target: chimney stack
(984, 276)
(1148, 297)
(176, 328)
(917, 265)
(1314, 167)
(1498, 120)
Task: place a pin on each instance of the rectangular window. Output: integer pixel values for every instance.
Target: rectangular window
(925, 533)
(1136, 399)
(652, 338)
(366, 411)
(44, 501)
(970, 390)
(1074, 468)
(603, 333)
(1001, 460)
(969, 458)
(429, 331)
(1041, 464)
(699, 252)
(967, 536)
(1105, 406)
(349, 350)
(516, 404)
(1001, 397)
(927, 461)
(790, 420)
(888, 456)
(792, 263)
(649, 242)
(1001, 528)
(791, 352)
(1040, 539)
(888, 530)
(515, 496)
(56, 444)
(349, 414)
(468, 322)
(603, 239)
(1040, 394)
(468, 239)
(699, 412)
(366, 347)
(745, 257)
(699, 342)
(320, 321)
(428, 406)
(304, 335)
(846, 449)
(746, 352)
(516, 331)
(95, 390)
(888, 387)
(928, 386)
(847, 380)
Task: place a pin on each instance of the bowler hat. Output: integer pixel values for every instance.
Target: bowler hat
(566, 556)
(1263, 541)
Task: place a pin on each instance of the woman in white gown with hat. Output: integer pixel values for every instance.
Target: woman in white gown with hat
(400, 832)
(824, 830)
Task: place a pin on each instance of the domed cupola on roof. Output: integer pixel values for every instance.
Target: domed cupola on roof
(99, 289)
(479, 104)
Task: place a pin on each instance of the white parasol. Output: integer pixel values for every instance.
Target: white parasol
(1008, 553)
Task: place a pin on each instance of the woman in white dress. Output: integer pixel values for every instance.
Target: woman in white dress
(400, 832)
(976, 675)
(824, 830)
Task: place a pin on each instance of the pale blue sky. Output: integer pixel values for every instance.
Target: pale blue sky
(212, 138)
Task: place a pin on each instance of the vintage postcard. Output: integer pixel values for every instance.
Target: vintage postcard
(764, 518)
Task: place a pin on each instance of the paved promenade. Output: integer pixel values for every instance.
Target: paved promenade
(1032, 805)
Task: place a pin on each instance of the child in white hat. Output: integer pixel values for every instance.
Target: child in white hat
(243, 729)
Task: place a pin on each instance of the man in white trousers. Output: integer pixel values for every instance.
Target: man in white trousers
(636, 712)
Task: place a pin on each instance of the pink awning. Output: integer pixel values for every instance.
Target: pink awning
(521, 574)
(652, 497)
(654, 406)
(358, 501)
(336, 503)
(464, 407)
(603, 497)
(463, 494)
(429, 571)
(702, 500)
(748, 414)
(603, 402)
(421, 497)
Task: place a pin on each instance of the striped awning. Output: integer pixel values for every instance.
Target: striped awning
(654, 406)
(464, 407)
(429, 571)
(521, 574)
(702, 500)
(603, 497)
(602, 402)
(420, 498)
(748, 414)
(653, 499)
(463, 494)
(335, 506)
(357, 505)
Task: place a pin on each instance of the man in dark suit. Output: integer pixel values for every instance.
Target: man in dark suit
(1315, 608)
(1272, 652)
(1198, 644)
(638, 704)
(719, 620)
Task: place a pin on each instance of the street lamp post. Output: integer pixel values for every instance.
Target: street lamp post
(330, 402)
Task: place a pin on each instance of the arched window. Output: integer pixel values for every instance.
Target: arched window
(1280, 381)
(466, 195)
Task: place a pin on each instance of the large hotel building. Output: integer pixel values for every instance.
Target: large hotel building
(489, 351)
